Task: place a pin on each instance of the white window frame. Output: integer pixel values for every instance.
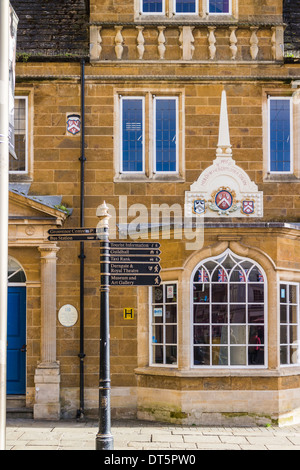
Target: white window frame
(265, 345)
(186, 14)
(122, 98)
(154, 13)
(23, 172)
(288, 324)
(151, 362)
(155, 98)
(218, 14)
(289, 98)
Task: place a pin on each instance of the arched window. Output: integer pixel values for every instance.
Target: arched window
(229, 304)
(15, 272)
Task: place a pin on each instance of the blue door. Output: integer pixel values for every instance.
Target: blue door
(16, 340)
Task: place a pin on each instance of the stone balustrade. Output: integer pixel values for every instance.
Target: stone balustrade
(186, 42)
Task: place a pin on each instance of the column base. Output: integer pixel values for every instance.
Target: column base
(47, 392)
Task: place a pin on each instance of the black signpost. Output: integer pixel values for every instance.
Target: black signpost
(121, 264)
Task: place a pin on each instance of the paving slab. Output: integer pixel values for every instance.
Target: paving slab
(134, 435)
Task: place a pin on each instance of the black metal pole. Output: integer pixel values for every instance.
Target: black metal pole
(104, 438)
(81, 355)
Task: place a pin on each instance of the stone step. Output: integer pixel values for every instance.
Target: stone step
(16, 407)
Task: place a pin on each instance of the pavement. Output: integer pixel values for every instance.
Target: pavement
(133, 435)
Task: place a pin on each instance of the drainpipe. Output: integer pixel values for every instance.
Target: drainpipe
(82, 159)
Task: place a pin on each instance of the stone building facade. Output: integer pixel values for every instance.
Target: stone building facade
(183, 116)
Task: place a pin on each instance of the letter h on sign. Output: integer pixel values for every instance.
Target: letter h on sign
(128, 314)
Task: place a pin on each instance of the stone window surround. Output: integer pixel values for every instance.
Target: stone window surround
(294, 176)
(201, 10)
(149, 174)
(28, 175)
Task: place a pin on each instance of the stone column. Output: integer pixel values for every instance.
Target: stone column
(47, 374)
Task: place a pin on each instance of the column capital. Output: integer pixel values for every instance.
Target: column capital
(48, 251)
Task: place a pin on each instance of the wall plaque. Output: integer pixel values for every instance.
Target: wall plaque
(67, 315)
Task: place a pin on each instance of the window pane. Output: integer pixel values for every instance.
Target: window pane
(237, 293)
(201, 335)
(256, 335)
(219, 313)
(280, 135)
(255, 293)
(171, 313)
(219, 292)
(166, 128)
(201, 313)
(283, 314)
(185, 6)
(238, 334)
(201, 356)
(158, 354)
(255, 313)
(157, 314)
(220, 335)
(201, 292)
(219, 6)
(158, 337)
(171, 334)
(152, 6)
(283, 293)
(294, 355)
(237, 313)
(283, 334)
(220, 356)
(158, 294)
(171, 293)
(171, 355)
(132, 135)
(292, 294)
(255, 356)
(238, 356)
(293, 310)
(283, 355)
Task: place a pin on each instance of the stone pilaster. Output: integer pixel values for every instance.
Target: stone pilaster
(47, 374)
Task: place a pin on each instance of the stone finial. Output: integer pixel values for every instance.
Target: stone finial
(104, 216)
(224, 147)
